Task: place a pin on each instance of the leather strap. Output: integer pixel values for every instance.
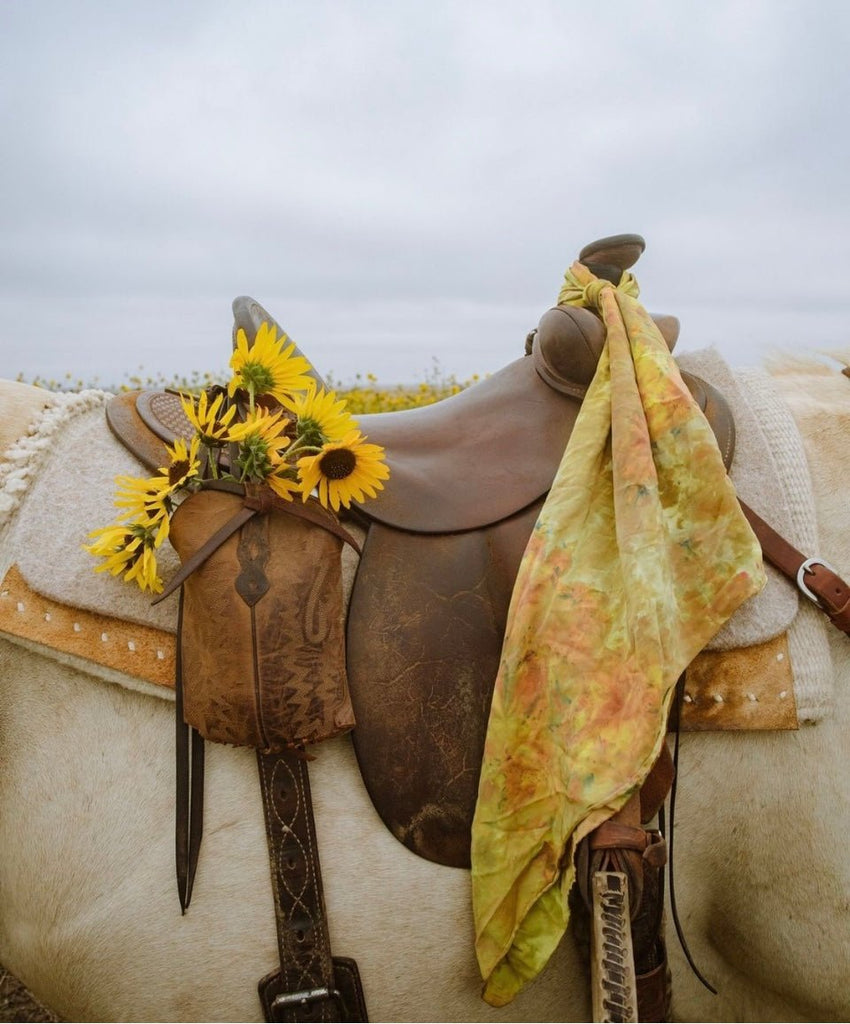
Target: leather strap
(189, 803)
(613, 835)
(254, 502)
(310, 985)
(814, 577)
(654, 991)
(656, 785)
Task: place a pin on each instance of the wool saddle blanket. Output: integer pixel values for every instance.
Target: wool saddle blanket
(768, 668)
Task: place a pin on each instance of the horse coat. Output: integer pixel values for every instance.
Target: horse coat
(88, 917)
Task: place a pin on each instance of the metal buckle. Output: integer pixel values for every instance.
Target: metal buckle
(289, 1000)
(807, 567)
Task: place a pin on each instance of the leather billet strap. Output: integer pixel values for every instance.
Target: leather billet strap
(814, 577)
(254, 501)
(311, 984)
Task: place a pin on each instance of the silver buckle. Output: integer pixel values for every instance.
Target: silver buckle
(807, 567)
(306, 998)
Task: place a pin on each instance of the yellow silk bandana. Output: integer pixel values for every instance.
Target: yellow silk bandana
(640, 554)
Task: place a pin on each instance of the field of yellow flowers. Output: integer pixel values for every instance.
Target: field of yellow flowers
(362, 395)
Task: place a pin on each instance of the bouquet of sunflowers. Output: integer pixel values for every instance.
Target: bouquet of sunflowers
(272, 426)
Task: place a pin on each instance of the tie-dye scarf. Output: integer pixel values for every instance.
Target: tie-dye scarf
(639, 556)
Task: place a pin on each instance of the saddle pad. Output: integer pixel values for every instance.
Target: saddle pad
(57, 483)
(749, 689)
(757, 480)
(770, 472)
(70, 492)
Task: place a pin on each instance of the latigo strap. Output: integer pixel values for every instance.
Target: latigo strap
(813, 576)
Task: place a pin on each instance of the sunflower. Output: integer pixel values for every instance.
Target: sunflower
(144, 571)
(185, 464)
(145, 501)
(320, 417)
(261, 440)
(204, 417)
(130, 548)
(343, 471)
(267, 368)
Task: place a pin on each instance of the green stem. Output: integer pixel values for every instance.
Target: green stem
(299, 445)
(211, 460)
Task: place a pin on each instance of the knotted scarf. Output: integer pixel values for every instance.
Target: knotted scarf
(639, 555)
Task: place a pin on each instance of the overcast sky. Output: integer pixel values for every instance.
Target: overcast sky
(399, 182)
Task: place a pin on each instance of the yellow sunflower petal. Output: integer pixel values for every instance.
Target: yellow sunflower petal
(283, 486)
(128, 548)
(208, 421)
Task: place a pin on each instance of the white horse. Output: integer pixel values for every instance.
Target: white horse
(89, 916)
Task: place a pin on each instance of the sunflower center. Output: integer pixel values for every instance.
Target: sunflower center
(257, 376)
(338, 463)
(177, 470)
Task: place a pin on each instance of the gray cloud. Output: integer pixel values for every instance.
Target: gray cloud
(402, 181)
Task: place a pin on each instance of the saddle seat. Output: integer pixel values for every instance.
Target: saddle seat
(484, 454)
(474, 458)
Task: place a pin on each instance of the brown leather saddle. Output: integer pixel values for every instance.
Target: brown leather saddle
(444, 540)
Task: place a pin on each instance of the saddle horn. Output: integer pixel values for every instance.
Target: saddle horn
(568, 341)
(609, 257)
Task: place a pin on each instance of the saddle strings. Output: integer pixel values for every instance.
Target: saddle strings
(189, 801)
(674, 912)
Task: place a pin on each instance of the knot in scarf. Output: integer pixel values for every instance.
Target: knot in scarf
(639, 555)
(581, 288)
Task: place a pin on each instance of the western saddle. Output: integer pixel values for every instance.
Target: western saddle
(443, 544)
